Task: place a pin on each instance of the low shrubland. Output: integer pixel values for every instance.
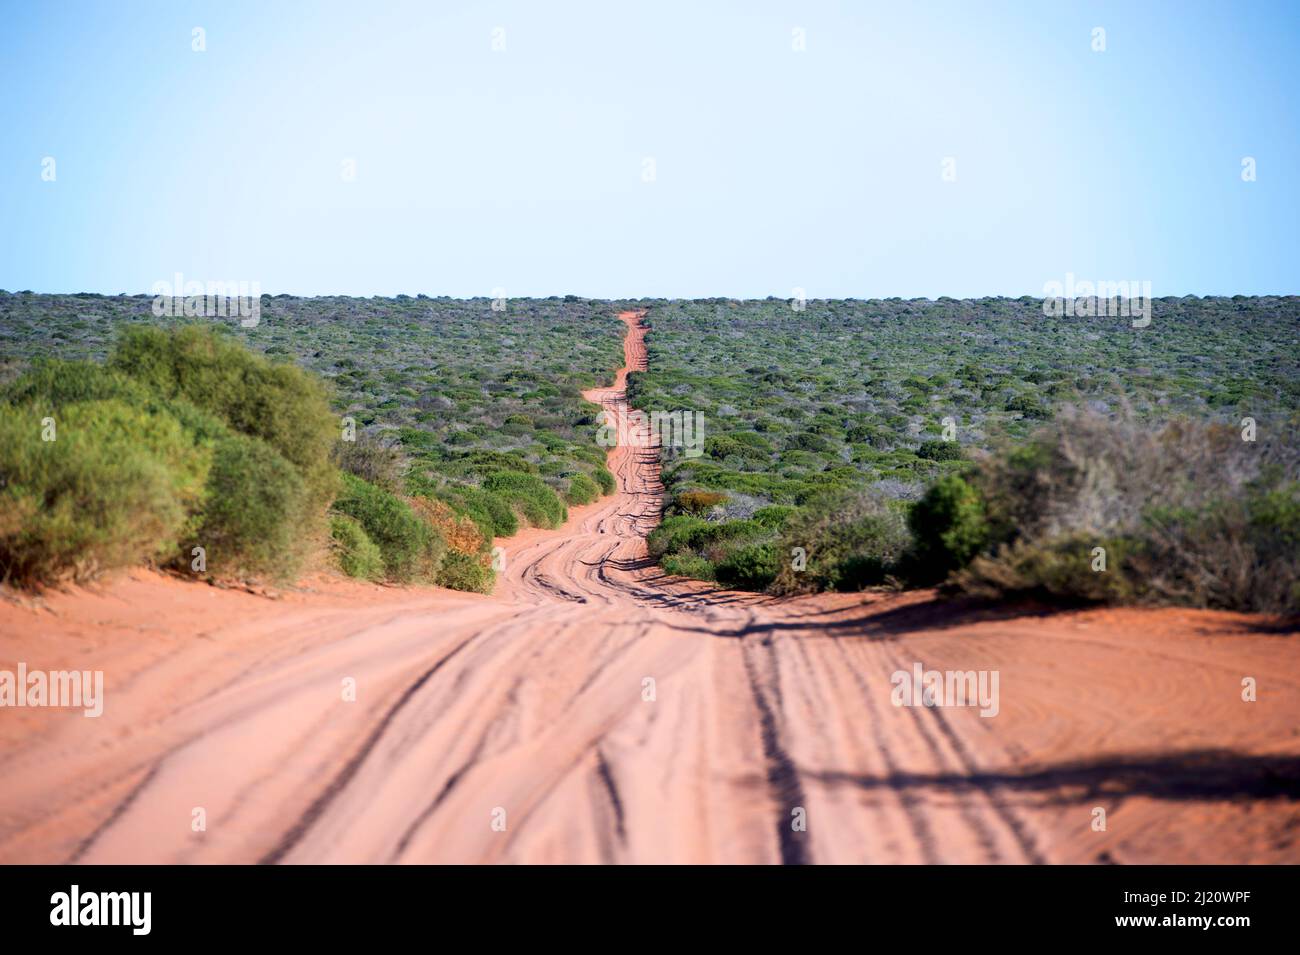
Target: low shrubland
(1187, 513)
(843, 540)
(184, 449)
(983, 446)
(444, 400)
(1088, 508)
(883, 443)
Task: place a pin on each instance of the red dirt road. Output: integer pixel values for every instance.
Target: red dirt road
(591, 711)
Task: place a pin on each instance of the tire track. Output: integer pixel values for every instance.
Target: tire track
(318, 806)
(782, 774)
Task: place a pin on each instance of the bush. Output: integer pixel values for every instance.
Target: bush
(687, 565)
(410, 547)
(752, 567)
(698, 502)
(939, 451)
(469, 572)
(673, 535)
(1027, 405)
(1060, 568)
(1195, 515)
(530, 495)
(851, 540)
(253, 515)
(774, 516)
(948, 529)
(1238, 553)
(115, 488)
(807, 441)
(606, 480)
(460, 531)
(582, 490)
(357, 554)
(282, 404)
(495, 510)
(52, 383)
(374, 459)
(716, 540)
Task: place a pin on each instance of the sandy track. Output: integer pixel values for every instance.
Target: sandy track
(596, 712)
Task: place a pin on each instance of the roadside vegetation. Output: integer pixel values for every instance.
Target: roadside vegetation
(392, 438)
(985, 447)
(977, 445)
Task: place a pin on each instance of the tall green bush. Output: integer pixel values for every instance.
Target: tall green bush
(282, 404)
(115, 487)
(253, 515)
(410, 547)
(357, 554)
(948, 529)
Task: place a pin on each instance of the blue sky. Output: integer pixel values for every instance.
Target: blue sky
(774, 169)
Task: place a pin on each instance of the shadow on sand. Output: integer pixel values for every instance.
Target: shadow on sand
(1195, 774)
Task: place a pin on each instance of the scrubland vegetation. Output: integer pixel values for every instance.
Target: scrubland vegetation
(979, 445)
(398, 437)
(984, 446)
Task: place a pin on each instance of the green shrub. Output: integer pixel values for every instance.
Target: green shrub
(51, 383)
(490, 511)
(357, 554)
(715, 540)
(1060, 567)
(687, 565)
(774, 516)
(282, 404)
(253, 515)
(484, 462)
(850, 540)
(1027, 405)
(752, 567)
(115, 488)
(582, 490)
(939, 451)
(469, 572)
(606, 480)
(532, 496)
(807, 441)
(948, 529)
(673, 535)
(410, 548)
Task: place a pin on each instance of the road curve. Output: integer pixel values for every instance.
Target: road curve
(591, 711)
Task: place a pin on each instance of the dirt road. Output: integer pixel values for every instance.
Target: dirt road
(590, 711)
